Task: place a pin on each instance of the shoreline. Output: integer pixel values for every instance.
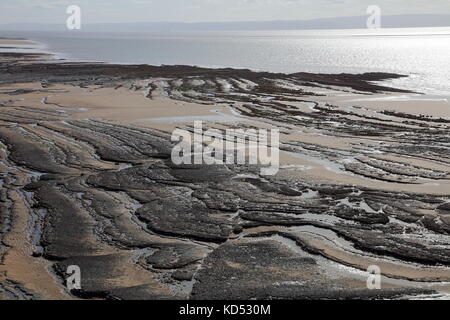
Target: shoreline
(361, 182)
(384, 76)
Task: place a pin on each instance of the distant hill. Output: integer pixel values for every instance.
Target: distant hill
(359, 22)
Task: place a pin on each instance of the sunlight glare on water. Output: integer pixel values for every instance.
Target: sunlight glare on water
(423, 54)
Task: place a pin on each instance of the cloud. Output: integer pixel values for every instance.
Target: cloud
(208, 10)
(44, 4)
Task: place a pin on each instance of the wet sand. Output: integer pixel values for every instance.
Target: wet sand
(87, 180)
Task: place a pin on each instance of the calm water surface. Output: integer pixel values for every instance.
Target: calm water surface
(423, 54)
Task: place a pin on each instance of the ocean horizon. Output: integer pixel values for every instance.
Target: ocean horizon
(419, 53)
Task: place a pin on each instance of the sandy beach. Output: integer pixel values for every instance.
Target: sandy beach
(86, 179)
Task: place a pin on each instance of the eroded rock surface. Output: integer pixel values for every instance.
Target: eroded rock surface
(106, 197)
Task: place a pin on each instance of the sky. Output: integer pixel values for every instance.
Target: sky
(120, 11)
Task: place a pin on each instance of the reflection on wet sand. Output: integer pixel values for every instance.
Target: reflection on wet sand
(86, 179)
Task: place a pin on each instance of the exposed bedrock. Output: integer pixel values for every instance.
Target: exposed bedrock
(106, 197)
(165, 220)
(269, 269)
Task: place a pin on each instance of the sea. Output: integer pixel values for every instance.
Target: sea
(423, 54)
